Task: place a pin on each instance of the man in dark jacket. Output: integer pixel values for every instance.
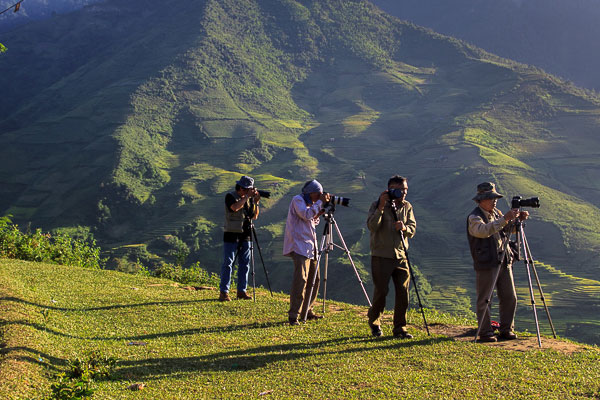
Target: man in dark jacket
(388, 257)
(488, 231)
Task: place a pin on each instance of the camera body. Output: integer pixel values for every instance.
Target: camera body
(518, 202)
(396, 193)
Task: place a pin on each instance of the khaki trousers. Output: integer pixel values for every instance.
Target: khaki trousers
(304, 272)
(382, 269)
(507, 296)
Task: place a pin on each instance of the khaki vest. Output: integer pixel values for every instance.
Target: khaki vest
(234, 221)
(484, 251)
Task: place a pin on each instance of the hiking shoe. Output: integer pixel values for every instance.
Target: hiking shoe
(487, 339)
(243, 295)
(293, 321)
(507, 336)
(403, 335)
(375, 330)
(224, 296)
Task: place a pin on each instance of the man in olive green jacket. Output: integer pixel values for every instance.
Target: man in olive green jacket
(388, 258)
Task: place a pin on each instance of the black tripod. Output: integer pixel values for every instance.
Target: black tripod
(327, 245)
(254, 238)
(410, 270)
(530, 265)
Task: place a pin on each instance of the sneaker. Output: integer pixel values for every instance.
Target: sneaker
(487, 339)
(293, 321)
(375, 330)
(224, 296)
(243, 295)
(403, 335)
(507, 336)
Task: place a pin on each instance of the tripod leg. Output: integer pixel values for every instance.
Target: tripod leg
(325, 268)
(313, 281)
(262, 259)
(528, 254)
(412, 276)
(351, 262)
(253, 274)
(531, 295)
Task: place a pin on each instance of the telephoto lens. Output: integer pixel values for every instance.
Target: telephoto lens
(518, 202)
(264, 193)
(344, 201)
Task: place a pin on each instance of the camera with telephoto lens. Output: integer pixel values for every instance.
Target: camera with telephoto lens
(518, 202)
(396, 193)
(264, 193)
(333, 200)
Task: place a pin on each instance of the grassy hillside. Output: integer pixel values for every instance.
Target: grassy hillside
(134, 125)
(184, 344)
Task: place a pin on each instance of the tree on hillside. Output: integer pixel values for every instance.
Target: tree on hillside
(2, 48)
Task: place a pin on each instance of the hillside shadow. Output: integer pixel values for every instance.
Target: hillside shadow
(248, 359)
(34, 356)
(183, 332)
(111, 307)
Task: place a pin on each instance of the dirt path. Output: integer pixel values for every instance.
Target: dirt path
(523, 343)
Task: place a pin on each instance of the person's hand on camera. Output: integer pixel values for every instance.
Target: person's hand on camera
(325, 197)
(255, 195)
(523, 215)
(383, 198)
(400, 226)
(512, 214)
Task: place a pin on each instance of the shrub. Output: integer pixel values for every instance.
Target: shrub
(44, 247)
(194, 274)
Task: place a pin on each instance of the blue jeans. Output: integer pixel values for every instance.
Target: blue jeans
(229, 251)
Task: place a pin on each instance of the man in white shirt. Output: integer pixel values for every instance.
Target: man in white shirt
(300, 243)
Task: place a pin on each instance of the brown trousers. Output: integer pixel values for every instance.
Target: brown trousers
(507, 296)
(382, 269)
(304, 272)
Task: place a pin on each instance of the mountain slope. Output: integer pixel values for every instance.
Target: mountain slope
(557, 35)
(141, 134)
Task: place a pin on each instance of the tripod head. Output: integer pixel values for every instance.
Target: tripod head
(329, 211)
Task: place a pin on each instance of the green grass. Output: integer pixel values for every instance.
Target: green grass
(191, 346)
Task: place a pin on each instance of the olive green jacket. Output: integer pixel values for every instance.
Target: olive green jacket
(385, 240)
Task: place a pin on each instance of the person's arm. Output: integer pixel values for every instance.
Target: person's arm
(237, 206)
(375, 217)
(479, 229)
(306, 213)
(410, 226)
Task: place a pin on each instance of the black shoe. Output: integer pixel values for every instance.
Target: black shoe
(507, 336)
(403, 335)
(293, 321)
(376, 330)
(313, 316)
(243, 295)
(487, 339)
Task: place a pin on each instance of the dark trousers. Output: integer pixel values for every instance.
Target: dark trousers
(304, 273)
(382, 269)
(507, 296)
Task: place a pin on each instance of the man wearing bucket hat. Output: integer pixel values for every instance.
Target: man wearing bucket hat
(239, 205)
(300, 243)
(488, 231)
